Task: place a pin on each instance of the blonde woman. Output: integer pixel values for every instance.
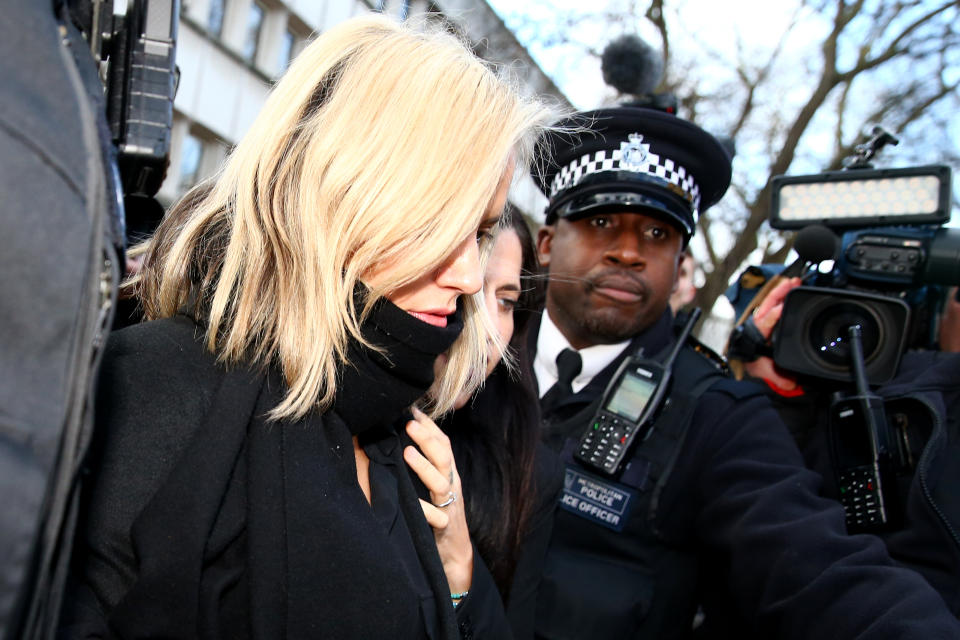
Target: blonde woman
(248, 479)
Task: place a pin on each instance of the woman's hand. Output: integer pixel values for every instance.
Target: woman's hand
(437, 470)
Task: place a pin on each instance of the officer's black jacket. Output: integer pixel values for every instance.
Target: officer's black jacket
(736, 527)
(922, 402)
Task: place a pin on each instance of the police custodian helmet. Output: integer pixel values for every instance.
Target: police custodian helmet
(626, 159)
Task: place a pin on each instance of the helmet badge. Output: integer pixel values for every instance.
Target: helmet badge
(633, 153)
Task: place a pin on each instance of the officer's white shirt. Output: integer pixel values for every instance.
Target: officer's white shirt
(550, 342)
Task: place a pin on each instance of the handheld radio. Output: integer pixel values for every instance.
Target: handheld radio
(862, 451)
(628, 407)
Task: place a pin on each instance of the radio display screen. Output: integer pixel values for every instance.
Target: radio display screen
(632, 395)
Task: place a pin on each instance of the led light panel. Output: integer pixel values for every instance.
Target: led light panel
(860, 198)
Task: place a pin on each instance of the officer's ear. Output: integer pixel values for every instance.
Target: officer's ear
(678, 271)
(544, 242)
(676, 274)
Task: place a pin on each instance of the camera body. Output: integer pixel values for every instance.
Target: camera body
(852, 323)
(666, 102)
(893, 247)
(135, 49)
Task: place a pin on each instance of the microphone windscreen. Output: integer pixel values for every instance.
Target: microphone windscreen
(631, 66)
(816, 243)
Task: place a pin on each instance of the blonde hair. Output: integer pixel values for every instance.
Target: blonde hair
(383, 143)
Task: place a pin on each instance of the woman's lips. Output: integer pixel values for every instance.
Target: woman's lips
(436, 319)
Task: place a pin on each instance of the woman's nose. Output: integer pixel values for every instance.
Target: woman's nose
(462, 269)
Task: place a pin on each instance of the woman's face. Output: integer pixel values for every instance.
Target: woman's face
(433, 296)
(501, 290)
(501, 287)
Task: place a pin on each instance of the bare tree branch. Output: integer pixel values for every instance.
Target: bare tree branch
(704, 223)
(890, 62)
(779, 256)
(656, 17)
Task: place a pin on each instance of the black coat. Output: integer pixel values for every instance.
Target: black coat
(206, 521)
(739, 529)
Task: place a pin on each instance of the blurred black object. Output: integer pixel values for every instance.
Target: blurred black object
(136, 52)
(62, 236)
(812, 336)
(634, 69)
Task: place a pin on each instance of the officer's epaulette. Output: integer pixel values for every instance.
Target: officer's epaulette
(714, 358)
(710, 355)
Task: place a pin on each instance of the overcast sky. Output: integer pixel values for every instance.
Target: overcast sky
(705, 24)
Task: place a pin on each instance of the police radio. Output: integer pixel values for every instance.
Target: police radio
(863, 452)
(629, 405)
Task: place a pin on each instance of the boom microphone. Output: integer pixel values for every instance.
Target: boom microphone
(814, 244)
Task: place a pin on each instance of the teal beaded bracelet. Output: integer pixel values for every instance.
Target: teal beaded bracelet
(455, 598)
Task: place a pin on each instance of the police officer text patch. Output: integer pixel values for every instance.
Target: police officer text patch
(603, 502)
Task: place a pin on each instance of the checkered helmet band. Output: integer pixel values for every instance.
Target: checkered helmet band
(610, 160)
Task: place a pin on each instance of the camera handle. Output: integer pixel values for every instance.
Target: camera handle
(865, 152)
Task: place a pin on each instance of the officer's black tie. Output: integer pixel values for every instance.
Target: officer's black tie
(568, 366)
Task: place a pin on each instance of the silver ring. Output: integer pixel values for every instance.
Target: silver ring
(451, 498)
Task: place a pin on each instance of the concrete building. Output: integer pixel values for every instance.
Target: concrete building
(231, 51)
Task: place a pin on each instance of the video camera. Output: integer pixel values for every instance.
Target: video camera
(852, 323)
(134, 44)
(893, 246)
(666, 102)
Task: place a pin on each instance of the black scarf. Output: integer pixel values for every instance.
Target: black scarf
(276, 507)
(375, 384)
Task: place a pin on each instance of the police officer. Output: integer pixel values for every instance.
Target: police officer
(714, 511)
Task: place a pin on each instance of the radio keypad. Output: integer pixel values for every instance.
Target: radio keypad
(860, 496)
(603, 444)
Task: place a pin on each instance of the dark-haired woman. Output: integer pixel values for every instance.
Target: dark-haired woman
(510, 482)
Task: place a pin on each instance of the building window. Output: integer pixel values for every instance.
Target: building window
(215, 17)
(252, 38)
(286, 49)
(191, 155)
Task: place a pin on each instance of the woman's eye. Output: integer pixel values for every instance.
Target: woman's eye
(507, 304)
(484, 233)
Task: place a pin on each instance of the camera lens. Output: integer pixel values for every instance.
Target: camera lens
(813, 337)
(829, 336)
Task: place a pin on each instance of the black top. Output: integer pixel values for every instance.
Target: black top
(205, 520)
(521, 605)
